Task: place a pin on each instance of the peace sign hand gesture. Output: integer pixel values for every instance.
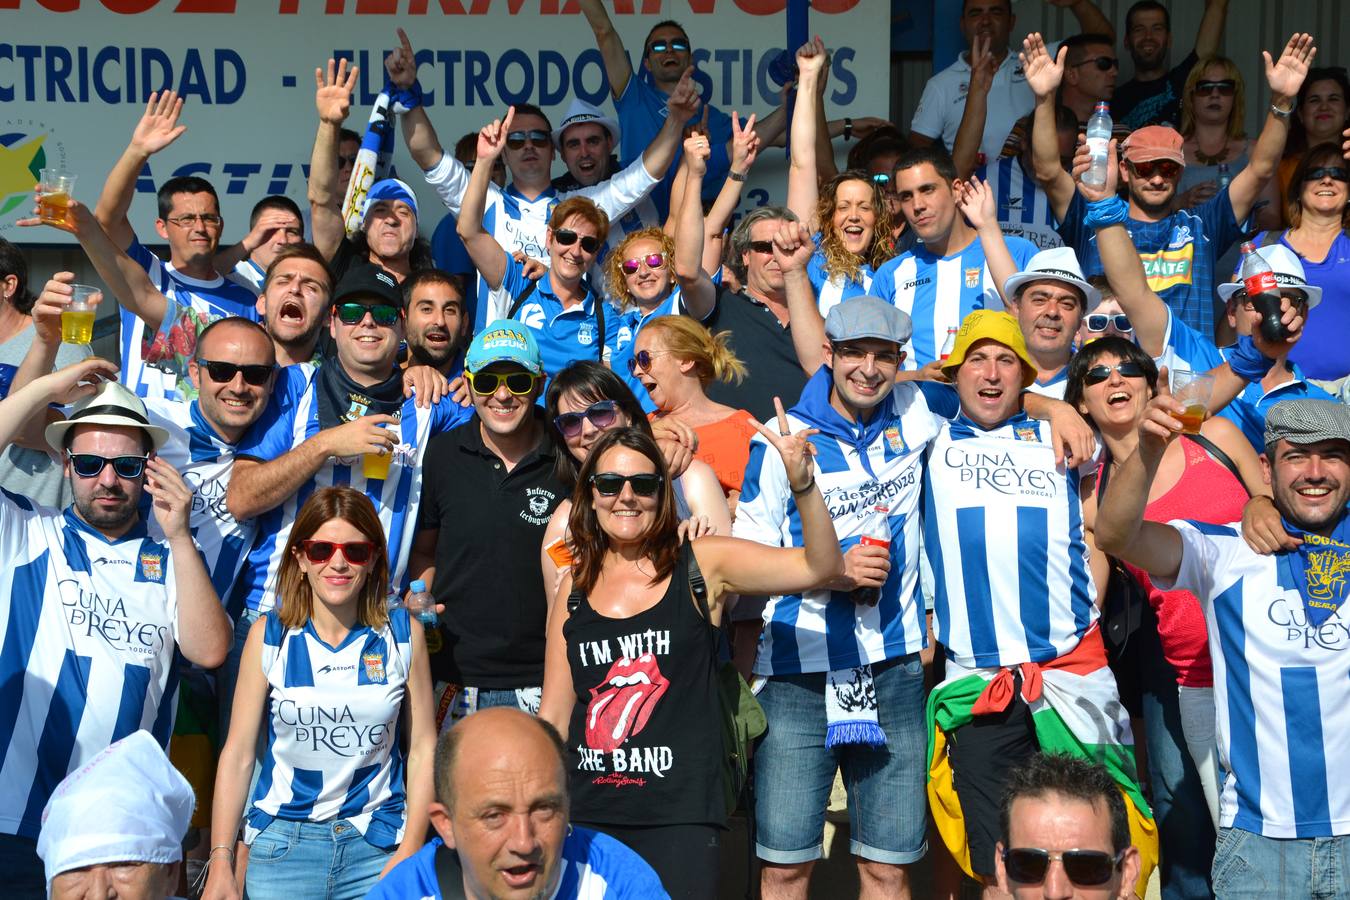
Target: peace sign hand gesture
(796, 450)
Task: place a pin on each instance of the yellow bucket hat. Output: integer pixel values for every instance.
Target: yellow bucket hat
(1000, 327)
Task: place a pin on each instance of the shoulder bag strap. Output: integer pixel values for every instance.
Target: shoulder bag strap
(520, 299)
(1222, 458)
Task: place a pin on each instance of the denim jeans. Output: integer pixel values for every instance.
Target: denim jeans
(794, 772)
(24, 877)
(1249, 865)
(312, 860)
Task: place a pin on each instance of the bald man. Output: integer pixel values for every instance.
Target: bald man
(501, 815)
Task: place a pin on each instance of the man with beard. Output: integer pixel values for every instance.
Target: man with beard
(1180, 248)
(1277, 637)
(955, 269)
(1153, 95)
(155, 347)
(274, 223)
(436, 321)
(95, 600)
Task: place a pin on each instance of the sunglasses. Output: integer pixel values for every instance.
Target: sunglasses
(347, 160)
(516, 139)
(663, 46)
(653, 261)
(1098, 322)
(1167, 168)
(224, 372)
(602, 415)
(1293, 295)
(485, 384)
(567, 237)
(355, 313)
(1103, 63)
(608, 484)
(1098, 374)
(765, 247)
(857, 355)
(1225, 88)
(643, 360)
(1335, 173)
(1085, 868)
(358, 553)
(88, 465)
(881, 178)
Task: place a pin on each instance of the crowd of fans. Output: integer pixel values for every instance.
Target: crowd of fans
(562, 527)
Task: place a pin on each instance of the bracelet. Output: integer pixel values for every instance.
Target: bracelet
(1106, 211)
(736, 176)
(848, 128)
(402, 100)
(810, 484)
(226, 847)
(1281, 113)
(1247, 361)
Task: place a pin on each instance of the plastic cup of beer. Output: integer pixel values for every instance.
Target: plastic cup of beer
(77, 319)
(376, 465)
(55, 188)
(1192, 390)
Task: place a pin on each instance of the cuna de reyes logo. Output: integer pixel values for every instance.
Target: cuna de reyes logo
(26, 148)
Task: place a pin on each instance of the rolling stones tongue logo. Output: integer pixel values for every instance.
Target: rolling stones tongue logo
(621, 705)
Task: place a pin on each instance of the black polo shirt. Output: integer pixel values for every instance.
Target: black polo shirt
(491, 526)
(765, 347)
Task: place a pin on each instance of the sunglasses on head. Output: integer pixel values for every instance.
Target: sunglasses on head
(1085, 868)
(88, 465)
(516, 139)
(608, 484)
(677, 46)
(1167, 168)
(643, 360)
(224, 372)
(1098, 374)
(1103, 63)
(1225, 87)
(567, 237)
(765, 247)
(601, 414)
(653, 261)
(1335, 173)
(485, 384)
(1098, 322)
(354, 313)
(358, 553)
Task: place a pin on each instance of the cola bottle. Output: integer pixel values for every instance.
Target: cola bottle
(1263, 292)
(876, 533)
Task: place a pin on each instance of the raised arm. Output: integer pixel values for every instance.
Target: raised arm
(681, 106)
(803, 179)
(1210, 34)
(1091, 20)
(157, 129)
(487, 255)
(745, 146)
(63, 387)
(333, 99)
(969, 134)
(792, 248)
(423, 144)
(262, 231)
(1284, 77)
(617, 68)
(976, 203)
(1043, 77)
(696, 288)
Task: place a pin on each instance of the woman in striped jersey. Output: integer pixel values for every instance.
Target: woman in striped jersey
(342, 680)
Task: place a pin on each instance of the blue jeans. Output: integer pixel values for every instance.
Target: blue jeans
(22, 867)
(313, 860)
(794, 772)
(1249, 865)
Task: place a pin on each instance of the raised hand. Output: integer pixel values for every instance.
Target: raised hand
(401, 63)
(1043, 73)
(333, 91)
(172, 497)
(696, 153)
(744, 143)
(1082, 161)
(78, 218)
(796, 450)
(1160, 423)
(1286, 75)
(158, 127)
(266, 228)
(977, 204)
(78, 380)
(47, 309)
(684, 101)
(492, 136)
(811, 57)
(983, 66)
(793, 247)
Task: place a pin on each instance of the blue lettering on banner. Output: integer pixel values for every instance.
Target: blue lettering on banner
(118, 74)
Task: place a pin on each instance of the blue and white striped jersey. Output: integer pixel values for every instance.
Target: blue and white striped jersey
(246, 271)
(1003, 535)
(1281, 687)
(154, 364)
(833, 289)
(857, 467)
(292, 417)
(333, 728)
(88, 631)
(939, 293)
(1023, 209)
(205, 461)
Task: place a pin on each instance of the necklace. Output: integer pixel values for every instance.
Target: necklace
(1206, 159)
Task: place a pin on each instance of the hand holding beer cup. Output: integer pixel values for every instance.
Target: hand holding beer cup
(54, 190)
(1193, 391)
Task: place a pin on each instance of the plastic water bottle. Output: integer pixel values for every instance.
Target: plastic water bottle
(1225, 176)
(1099, 145)
(948, 345)
(876, 533)
(421, 603)
(1263, 291)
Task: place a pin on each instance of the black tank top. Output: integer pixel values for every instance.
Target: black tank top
(645, 735)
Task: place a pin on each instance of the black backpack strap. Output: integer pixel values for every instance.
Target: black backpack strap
(449, 874)
(698, 586)
(1222, 458)
(574, 600)
(520, 299)
(600, 326)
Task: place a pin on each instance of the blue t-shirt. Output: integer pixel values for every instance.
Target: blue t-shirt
(595, 867)
(563, 335)
(1179, 253)
(1323, 351)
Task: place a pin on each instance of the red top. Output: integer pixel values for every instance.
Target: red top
(1206, 492)
(725, 445)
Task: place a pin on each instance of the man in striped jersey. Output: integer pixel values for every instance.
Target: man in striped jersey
(93, 608)
(1280, 641)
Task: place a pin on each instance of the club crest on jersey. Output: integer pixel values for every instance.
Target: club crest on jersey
(972, 278)
(374, 665)
(894, 440)
(1026, 433)
(586, 334)
(152, 567)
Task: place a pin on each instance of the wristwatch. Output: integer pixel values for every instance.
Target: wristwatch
(1283, 113)
(848, 128)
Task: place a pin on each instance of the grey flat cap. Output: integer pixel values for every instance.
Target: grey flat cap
(1308, 422)
(868, 317)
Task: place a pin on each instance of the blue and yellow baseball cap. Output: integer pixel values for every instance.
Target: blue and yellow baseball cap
(504, 340)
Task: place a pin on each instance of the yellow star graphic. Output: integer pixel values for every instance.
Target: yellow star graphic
(16, 175)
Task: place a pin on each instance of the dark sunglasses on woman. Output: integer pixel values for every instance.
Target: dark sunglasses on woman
(642, 360)
(567, 237)
(609, 484)
(1225, 87)
(224, 372)
(88, 465)
(1085, 868)
(358, 553)
(601, 414)
(485, 384)
(1335, 173)
(1098, 374)
(1099, 322)
(652, 260)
